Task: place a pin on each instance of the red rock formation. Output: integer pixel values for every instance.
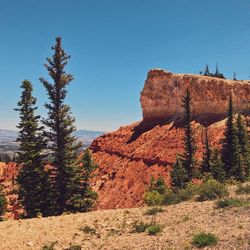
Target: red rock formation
(162, 93)
(126, 166)
(128, 157)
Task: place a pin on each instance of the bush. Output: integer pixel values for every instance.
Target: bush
(212, 190)
(88, 230)
(74, 247)
(140, 227)
(243, 189)
(154, 211)
(154, 198)
(154, 229)
(50, 246)
(231, 202)
(204, 239)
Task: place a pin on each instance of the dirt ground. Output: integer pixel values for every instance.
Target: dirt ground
(113, 229)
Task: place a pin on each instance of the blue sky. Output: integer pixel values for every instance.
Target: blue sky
(113, 43)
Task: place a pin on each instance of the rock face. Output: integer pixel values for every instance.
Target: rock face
(126, 166)
(128, 157)
(162, 93)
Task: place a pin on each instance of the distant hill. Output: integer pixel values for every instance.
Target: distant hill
(8, 139)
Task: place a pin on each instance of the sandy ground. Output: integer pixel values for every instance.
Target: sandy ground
(114, 229)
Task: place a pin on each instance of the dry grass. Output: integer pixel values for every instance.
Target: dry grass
(113, 229)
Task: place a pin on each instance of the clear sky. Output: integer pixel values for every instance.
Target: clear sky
(113, 43)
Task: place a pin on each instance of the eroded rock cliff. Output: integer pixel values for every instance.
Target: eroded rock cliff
(128, 157)
(163, 90)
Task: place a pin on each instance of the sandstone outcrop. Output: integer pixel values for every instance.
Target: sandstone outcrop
(163, 90)
(128, 157)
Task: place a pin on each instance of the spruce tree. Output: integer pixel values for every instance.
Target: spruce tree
(84, 197)
(179, 175)
(230, 144)
(63, 145)
(244, 146)
(188, 157)
(3, 202)
(216, 166)
(32, 178)
(206, 160)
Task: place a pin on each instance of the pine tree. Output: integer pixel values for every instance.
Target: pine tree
(244, 146)
(230, 144)
(33, 180)
(3, 202)
(187, 157)
(84, 197)
(206, 161)
(63, 145)
(179, 175)
(206, 71)
(216, 166)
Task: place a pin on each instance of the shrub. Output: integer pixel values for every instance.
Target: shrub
(211, 190)
(74, 247)
(158, 185)
(231, 202)
(88, 230)
(204, 239)
(154, 198)
(154, 211)
(243, 189)
(140, 227)
(50, 246)
(154, 229)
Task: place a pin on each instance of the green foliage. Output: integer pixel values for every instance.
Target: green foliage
(3, 202)
(158, 185)
(154, 229)
(243, 189)
(232, 202)
(169, 197)
(216, 167)
(84, 197)
(33, 180)
(187, 157)
(244, 145)
(74, 247)
(151, 228)
(153, 198)
(140, 227)
(88, 230)
(217, 74)
(206, 159)
(154, 211)
(50, 246)
(70, 191)
(204, 239)
(231, 157)
(179, 175)
(211, 190)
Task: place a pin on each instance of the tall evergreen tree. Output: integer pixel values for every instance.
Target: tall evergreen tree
(84, 197)
(63, 145)
(3, 202)
(230, 144)
(33, 180)
(206, 160)
(216, 166)
(206, 71)
(188, 157)
(244, 145)
(179, 175)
